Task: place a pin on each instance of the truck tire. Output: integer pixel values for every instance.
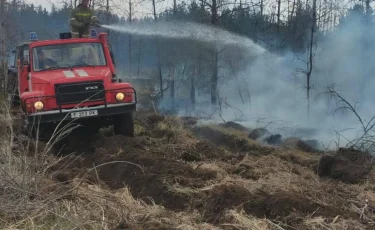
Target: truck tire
(123, 124)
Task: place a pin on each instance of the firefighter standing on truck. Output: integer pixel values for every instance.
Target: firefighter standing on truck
(81, 18)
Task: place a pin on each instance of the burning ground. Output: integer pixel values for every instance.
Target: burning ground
(176, 174)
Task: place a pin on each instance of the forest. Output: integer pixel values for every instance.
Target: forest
(188, 76)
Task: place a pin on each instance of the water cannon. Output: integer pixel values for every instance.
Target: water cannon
(33, 36)
(93, 33)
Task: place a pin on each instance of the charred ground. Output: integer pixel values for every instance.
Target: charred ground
(177, 173)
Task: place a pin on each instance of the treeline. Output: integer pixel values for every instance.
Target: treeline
(291, 34)
(182, 66)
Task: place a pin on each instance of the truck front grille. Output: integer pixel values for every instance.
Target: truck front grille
(74, 93)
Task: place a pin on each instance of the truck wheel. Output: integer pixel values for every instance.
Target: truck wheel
(123, 124)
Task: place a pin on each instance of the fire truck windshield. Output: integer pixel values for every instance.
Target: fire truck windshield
(70, 55)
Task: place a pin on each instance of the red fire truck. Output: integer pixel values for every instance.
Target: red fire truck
(71, 79)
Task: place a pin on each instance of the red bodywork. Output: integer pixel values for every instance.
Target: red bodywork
(39, 86)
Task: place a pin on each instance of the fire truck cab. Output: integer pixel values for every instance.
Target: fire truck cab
(72, 79)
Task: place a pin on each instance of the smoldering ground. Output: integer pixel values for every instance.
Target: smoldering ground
(271, 89)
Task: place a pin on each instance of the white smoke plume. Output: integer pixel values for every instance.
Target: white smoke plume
(277, 90)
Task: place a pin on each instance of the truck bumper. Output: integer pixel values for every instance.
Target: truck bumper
(81, 113)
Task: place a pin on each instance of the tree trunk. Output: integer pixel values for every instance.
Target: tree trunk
(139, 57)
(158, 55)
(107, 8)
(154, 9)
(278, 16)
(214, 77)
(3, 58)
(197, 73)
(368, 13)
(174, 51)
(192, 92)
(130, 39)
(171, 77)
(310, 62)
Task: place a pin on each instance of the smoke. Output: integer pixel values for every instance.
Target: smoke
(278, 92)
(271, 90)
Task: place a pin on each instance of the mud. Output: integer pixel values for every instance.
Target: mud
(347, 165)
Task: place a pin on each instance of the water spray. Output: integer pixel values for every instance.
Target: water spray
(189, 30)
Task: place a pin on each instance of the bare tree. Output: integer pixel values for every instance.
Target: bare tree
(2, 45)
(311, 57)
(158, 55)
(278, 16)
(366, 141)
(172, 79)
(215, 7)
(130, 38)
(310, 60)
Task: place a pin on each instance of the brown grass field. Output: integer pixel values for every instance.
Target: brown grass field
(176, 175)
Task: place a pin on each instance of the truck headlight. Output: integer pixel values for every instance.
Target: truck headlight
(120, 96)
(38, 105)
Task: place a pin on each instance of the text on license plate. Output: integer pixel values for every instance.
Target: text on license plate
(84, 113)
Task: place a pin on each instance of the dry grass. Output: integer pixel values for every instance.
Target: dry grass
(32, 199)
(231, 131)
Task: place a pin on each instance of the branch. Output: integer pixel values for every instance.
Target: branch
(347, 105)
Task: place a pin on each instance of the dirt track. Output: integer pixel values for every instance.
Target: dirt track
(213, 170)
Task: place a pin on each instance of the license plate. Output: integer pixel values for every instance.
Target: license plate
(88, 113)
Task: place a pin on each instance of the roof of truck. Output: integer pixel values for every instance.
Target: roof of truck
(63, 41)
(35, 42)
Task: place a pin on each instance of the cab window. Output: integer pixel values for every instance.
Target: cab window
(68, 55)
